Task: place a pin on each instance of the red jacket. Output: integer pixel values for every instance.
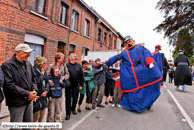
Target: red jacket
(117, 83)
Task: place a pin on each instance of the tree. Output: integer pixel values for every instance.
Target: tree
(178, 14)
(184, 42)
(175, 52)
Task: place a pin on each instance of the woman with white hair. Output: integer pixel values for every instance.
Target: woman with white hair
(39, 107)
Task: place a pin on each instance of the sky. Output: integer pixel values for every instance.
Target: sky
(136, 18)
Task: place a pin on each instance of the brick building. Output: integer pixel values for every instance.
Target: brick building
(51, 26)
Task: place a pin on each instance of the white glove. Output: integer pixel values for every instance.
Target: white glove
(151, 65)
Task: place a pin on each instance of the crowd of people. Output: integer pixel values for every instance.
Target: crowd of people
(31, 90)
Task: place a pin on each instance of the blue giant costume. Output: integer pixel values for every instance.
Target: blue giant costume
(161, 62)
(139, 83)
(158, 58)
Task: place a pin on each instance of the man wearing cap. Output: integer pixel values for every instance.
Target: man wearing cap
(139, 77)
(19, 85)
(161, 61)
(182, 72)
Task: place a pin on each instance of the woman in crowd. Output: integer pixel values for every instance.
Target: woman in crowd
(59, 63)
(109, 86)
(39, 107)
(87, 87)
(55, 93)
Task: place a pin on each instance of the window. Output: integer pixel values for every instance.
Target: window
(84, 53)
(35, 42)
(110, 44)
(63, 14)
(115, 47)
(99, 34)
(74, 25)
(105, 35)
(61, 47)
(87, 27)
(119, 44)
(38, 5)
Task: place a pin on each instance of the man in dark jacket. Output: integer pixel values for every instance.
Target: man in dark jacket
(1, 85)
(77, 81)
(99, 79)
(19, 85)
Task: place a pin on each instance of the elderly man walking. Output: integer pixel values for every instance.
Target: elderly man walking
(20, 86)
(77, 81)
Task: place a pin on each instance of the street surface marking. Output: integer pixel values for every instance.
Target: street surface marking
(182, 110)
(164, 86)
(82, 119)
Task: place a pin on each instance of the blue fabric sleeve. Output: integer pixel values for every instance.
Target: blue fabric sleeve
(158, 59)
(113, 59)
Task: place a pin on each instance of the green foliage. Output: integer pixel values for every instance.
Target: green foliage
(178, 14)
(191, 59)
(184, 42)
(175, 52)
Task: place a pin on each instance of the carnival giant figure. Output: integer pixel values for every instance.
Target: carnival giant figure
(139, 76)
(161, 62)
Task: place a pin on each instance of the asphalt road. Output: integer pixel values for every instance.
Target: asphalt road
(164, 115)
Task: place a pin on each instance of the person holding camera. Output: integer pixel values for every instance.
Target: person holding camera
(99, 79)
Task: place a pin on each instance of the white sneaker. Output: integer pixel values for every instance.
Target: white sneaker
(119, 105)
(113, 105)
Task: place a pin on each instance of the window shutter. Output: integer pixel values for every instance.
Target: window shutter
(41, 6)
(85, 32)
(64, 15)
(60, 13)
(73, 20)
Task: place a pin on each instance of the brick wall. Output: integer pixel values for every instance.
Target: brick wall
(17, 19)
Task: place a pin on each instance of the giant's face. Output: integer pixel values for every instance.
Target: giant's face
(129, 44)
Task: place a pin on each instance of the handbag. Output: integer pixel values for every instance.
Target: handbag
(37, 106)
(67, 83)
